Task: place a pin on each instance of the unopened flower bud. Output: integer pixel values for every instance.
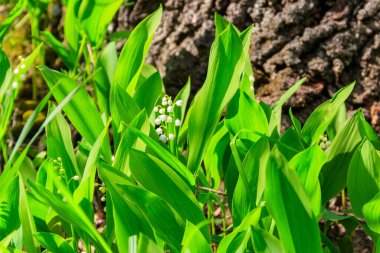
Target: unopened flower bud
(157, 121)
(171, 136)
(159, 131)
(170, 108)
(178, 103)
(163, 138)
(177, 122)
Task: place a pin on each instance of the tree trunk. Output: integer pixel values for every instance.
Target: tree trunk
(331, 42)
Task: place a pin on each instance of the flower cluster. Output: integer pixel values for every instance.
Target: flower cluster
(21, 72)
(165, 118)
(324, 143)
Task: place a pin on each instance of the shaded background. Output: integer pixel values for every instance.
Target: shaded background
(331, 42)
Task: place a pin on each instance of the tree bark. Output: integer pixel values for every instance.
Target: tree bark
(331, 42)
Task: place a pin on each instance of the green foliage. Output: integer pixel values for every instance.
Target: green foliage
(168, 170)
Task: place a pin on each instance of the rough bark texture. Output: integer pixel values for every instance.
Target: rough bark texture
(331, 42)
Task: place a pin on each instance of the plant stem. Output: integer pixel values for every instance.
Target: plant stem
(343, 199)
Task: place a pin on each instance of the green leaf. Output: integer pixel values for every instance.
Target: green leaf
(321, 118)
(308, 164)
(71, 213)
(275, 118)
(165, 156)
(225, 68)
(60, 146)
(287, 201)
(160, 179)
(71, 29)
(59, 49)
(233, 241)
(363, 179)
(264, 242)
(148, 92)
(27, 222)
(106, 64)
(290, 143)
(17, 10)
(81, 110)
(123, 106)
(4, 66)
(333, 175)
(94, 17)
(118, 210)
(254, 166)
(371, 212)
(84, 194)
(193, 240)
(245, 113)
(134, 52)
(9, 204)
(130, 140)
(168, 226)
(53, 242)
(147, 245)
(217, 155)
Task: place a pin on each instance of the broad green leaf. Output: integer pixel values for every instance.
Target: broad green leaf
(84, 194)
(371, 212)
(333, 175)
(160, 179)
(148, 92)
(254, 166)
(53, 242)
(7, 240)
(225, 68)
(337, 123)
(72, 214)
(59, 49)
(165, 156)
(287, 201)
(119, 211)
(220, 23)
(60, 146)
(71, 29)
(123, 107)
(9, 204)
(217, 155)
(321, 118)
(133, 54)
(106, 65)
(232, 242)
(363, 179)
(290, 143)
(17, 10)
(27, 222)
(147, 245)
(130, 140)
(264, 242)
(275, 118)
(94, 17)
(308, 164)
(193, 240)
(164, 221)
(245, 113)
(4, 66)
(81, 110)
